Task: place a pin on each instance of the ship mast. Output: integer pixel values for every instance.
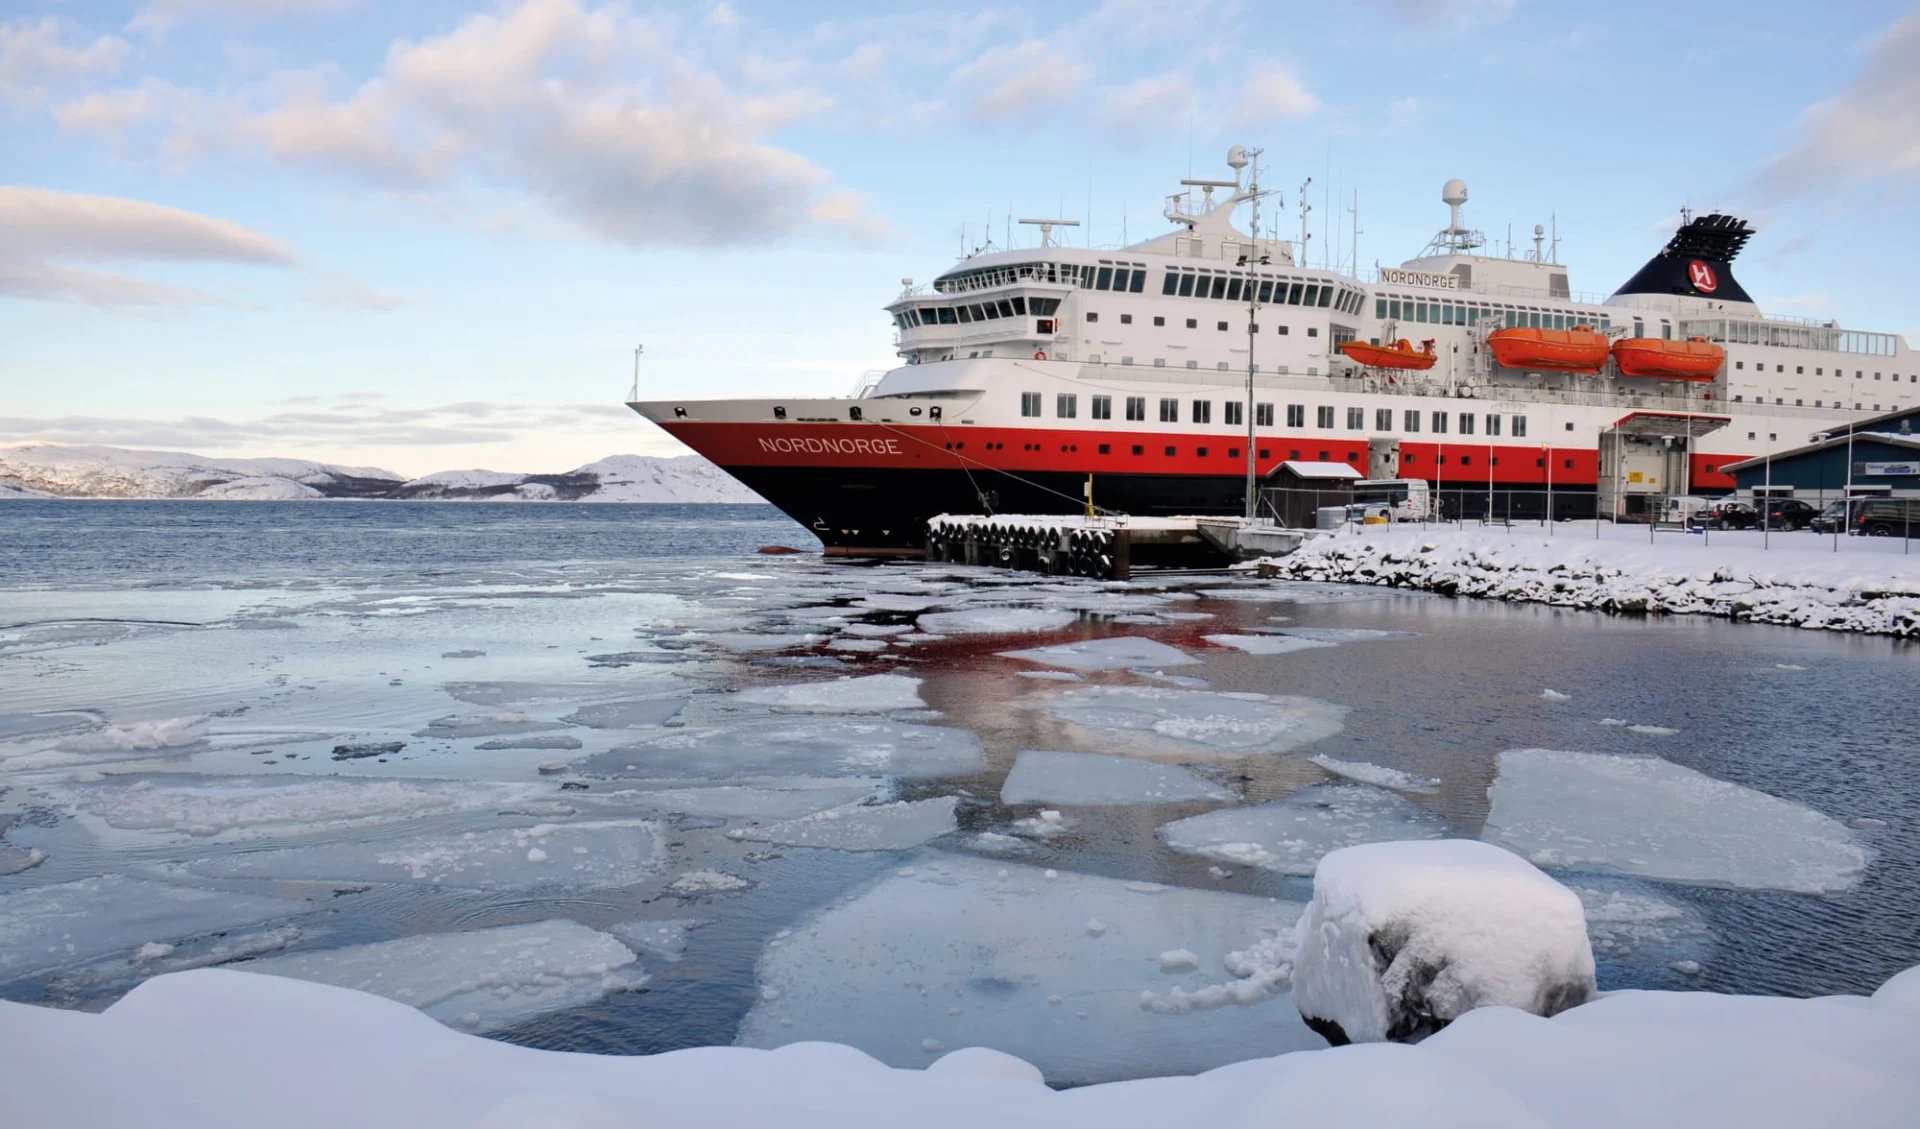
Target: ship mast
(1239, 158)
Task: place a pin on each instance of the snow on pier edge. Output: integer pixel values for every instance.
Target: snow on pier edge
(1869, 587)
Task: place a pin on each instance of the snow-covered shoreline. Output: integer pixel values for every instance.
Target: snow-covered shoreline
(53, 470)
(1859, 589)
(217, 1048)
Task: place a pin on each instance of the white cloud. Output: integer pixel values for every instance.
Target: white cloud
(1017, 80)
(37, 59)
(1161, 101)
(342, 293)
(45, 223)
(1274, 93)
(604, 117)
(348, 420)
(1457, 16)
(157, 17)
(1868, 132)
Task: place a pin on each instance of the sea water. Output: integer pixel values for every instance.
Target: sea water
(605, 778)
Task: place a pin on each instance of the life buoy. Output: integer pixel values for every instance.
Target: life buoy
(1041, 355)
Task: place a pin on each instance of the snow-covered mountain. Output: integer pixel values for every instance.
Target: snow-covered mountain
(57, 470)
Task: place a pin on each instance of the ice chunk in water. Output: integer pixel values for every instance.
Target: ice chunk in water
(559, 741)
(860, 827)
(749, 643)
(789, 800)
(666, 940)
(1375, 774)
(1114, 653)
(1266, 644)
(1151, 718)
(876, 630)
(969, 953)
(1301, 592)
(858, 646)
(874, 693)
(573, 855)
(1090, 778)
(796, 746)
(46, 927)
(633, 714)
(150, 812)
(481, 981)
(998, 621)
(1649, 817)
(1631, 925)
(1345, 634)
(1291, 835)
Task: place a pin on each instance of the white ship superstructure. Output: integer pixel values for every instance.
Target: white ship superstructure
(1027, 371)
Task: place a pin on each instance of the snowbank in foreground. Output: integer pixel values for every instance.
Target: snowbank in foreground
(1856, 590)
(218, 1049)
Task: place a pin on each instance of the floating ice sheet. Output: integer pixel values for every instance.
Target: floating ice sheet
(860, 827)
(1040, 776)
(47, 927)
(665, 940)
(789, 800)
(145, 812)
(795, 746)
(874, 693)
(480, 981)
(1291, 835)
(604, 854)
(1115, 653)
(1300, 592)
(961, 952)
(1346, 634)
(998, 621)
(1266, 644)
(1649, 817)
(632, 714)
(1630, 925)
(1375, 774)
(1152, 718)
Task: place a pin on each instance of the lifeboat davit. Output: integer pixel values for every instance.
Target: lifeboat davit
(1696, 358)
(1579, 349)
(1400, 354)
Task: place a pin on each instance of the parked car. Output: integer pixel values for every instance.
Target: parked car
(1790, 513)
(1727, 513)
(1830, 520)
(1886, 517)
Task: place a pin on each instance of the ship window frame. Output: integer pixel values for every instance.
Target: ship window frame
(1186, 283)
(1066, 405)
(1169, 409)
(1356, 418)
(1136, 408)
(1296, 415)
(1139, 283)
(1410, 421)
(1383, 419)
(1170, 285)
(1266, 290)
(1030, 405)
(1263, 416)
(1323, 416)
(1202, 412)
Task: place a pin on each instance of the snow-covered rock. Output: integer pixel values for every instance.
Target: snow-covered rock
(1860, 590)
(1401, 939)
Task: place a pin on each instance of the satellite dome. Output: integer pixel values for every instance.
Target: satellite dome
(1454, 192)
(1237, 157)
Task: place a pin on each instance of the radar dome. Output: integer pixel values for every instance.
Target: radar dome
(1454, 192)
(1237, 157)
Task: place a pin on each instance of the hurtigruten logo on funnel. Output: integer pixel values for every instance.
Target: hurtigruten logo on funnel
(1701, 274)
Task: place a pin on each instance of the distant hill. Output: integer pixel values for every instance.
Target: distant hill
(58, 470)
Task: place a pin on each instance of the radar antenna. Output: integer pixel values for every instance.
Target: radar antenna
(1046, 228)
(1456, 237)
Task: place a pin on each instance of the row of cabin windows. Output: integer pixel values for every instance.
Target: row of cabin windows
(1278, 292)
(1083, 275)
(1017, 306)
(1781, 400)
(1160, 321)
(1066, 405)
(1472, 313)
(1801, 370)
(1171, 451)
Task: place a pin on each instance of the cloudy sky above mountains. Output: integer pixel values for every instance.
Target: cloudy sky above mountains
(430, 234)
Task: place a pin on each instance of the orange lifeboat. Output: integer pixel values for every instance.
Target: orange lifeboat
(1693, 359)
(1579, 349)
(1400, 354)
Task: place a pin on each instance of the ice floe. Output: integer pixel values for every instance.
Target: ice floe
(635, 713)
(873, 693)
(1113, 653)
(968, 952)
(605, 854)
(1375, 774)
(480, 981)
(998, 621)
(1266, 644)
(1290, 836)
(860, 827)
(1345, 634)
(785, 800)
(68, 923)
(1630, 925)
(1156, 719)
(1649, 817)
(708, 882)
(1040, 776)
(795, 746)
(664, 940)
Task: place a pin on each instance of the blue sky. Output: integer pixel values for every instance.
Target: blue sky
(428, 235)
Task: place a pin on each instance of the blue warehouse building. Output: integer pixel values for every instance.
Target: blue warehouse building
(1883, 450)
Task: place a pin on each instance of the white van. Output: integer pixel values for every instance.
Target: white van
(1408, 499)
(1680, 508)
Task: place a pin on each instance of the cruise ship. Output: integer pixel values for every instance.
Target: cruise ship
(1036, 380)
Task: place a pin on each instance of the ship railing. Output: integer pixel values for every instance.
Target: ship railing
(869, 380)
